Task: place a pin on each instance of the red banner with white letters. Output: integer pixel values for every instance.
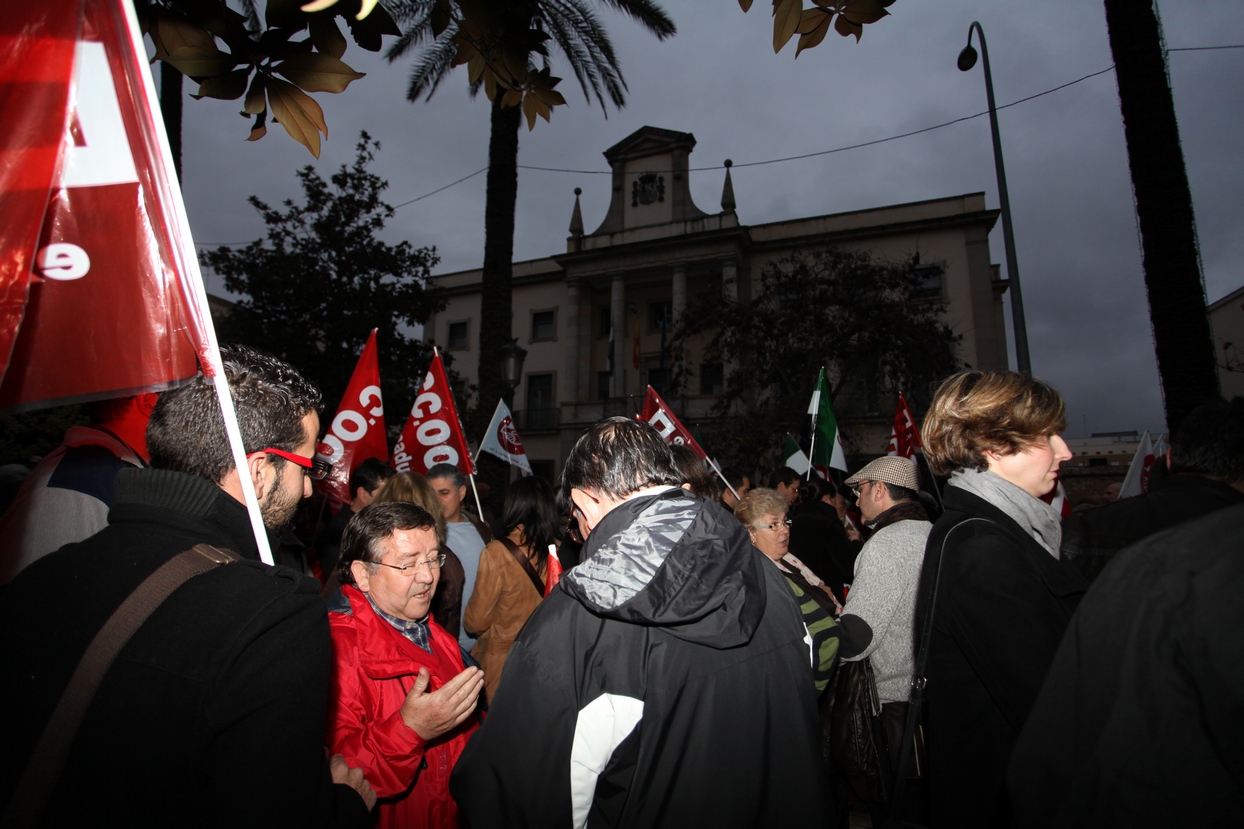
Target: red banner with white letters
(433, 433)
(92, 254)
(660, 417)
(357, 431)
(904, 436)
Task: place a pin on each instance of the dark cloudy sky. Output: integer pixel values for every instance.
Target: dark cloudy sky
(1076, 238)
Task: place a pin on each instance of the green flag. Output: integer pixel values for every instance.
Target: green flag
(794, 457)
(826, 447)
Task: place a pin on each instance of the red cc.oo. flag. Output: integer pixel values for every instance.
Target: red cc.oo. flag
(433, 433)
(357, 432)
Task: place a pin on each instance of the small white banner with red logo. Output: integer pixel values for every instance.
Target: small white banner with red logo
(502, 441)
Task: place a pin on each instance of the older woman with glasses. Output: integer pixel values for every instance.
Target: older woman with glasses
(1003, 596)
(763, 513)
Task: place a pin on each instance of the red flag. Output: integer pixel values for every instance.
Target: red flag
(357, 432)
(433, 433)
(658, 415)
(95, 256)
(1057, 498)
(554, 569)
(904, 436)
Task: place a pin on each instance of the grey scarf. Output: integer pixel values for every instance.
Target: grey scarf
(1033, 515)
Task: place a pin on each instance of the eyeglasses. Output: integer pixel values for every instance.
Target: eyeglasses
(414, 567)
(776, 525)
(317, 468)
(859, 486)
(572, 527)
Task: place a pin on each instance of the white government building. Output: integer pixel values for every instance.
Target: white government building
(653, 250)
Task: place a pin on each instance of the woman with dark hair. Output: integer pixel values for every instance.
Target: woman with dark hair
(511, 576)
(1003, 596)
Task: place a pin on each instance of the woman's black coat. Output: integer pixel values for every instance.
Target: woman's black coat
(1002, 605)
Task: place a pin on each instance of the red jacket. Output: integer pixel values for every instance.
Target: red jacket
(374, 667)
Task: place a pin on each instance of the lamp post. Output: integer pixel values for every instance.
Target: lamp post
(512, 356)
(967, 59)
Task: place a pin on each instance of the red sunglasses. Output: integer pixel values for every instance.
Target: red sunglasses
(317, 468)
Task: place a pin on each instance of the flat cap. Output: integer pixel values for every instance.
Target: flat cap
(892, 470)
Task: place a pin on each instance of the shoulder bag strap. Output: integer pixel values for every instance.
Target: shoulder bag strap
(918, 679)
(523, 562)
(48, 758)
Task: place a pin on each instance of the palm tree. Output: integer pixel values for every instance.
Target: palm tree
(1181, 332)
(570, 25)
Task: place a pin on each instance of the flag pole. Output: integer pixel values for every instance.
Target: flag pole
(475, 492)
(717, 469)
(193, 290)
(815, 410)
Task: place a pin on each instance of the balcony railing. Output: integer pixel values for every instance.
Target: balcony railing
(528, 421)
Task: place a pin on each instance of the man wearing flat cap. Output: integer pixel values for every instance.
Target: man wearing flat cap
(877, 619)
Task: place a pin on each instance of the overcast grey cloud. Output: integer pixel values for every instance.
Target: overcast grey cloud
(1076, 239)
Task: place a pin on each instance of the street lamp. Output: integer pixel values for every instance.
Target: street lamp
(967, 59)
(512, 356)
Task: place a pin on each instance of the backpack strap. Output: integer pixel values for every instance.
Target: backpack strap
(48, 758)
(525, 563)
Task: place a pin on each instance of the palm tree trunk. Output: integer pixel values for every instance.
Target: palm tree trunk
(1181, 331)
(170, 107)
(496, 301)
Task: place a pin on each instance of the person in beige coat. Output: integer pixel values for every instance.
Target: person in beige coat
(511, 576)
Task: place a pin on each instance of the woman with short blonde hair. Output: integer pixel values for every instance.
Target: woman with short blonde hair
(1003, 596)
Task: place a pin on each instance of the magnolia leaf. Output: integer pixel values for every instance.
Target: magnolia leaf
(369, 32)
(863, 11)
(810, 19)
(199, 62)
(326, 36)
(550, 97)
(298, 113)
(314, 72)
(490, 86)
(258, 131)
(172, 31)
(813, 38)
(226, 87)
(475, 65)
(284, 14)
(529, 109)
(256, 103)
(745, 5)
(846, 28)
(512, 97)
(786, 16)
(318, 6)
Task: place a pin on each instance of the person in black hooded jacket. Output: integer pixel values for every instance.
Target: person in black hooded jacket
(666, 681)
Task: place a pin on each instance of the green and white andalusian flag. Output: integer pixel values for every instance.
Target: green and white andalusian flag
(826, 447)
(794, 457)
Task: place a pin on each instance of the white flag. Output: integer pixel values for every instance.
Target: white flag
(1137, 480)
(502, 441)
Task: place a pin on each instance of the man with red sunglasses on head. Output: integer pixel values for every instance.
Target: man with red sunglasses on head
(213, 711)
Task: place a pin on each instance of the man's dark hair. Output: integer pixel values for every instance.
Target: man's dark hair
(618, 456)
(1210, 441)
(187, 432)
(691, 467)
(898, 494)
(447, 470)
(784, 476)
(374, 523)
(734, 476)
(816, 488)
(370, 475)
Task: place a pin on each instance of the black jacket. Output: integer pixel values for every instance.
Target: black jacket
(666, 682)
(1093, 536)
(819, 540)
(213, 713)
(1003, 603)
(1141, 718)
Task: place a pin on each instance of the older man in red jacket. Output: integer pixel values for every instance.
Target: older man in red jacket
(402, 704)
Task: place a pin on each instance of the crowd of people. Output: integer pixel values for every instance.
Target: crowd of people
(715, 653)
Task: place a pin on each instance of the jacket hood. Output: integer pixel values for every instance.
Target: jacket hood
(668, 560)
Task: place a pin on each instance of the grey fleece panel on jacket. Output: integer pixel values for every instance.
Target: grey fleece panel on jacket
(627, 562)
(883, 594)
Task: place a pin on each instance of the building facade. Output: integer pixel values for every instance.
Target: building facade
(653, 253)
(1226, 320)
